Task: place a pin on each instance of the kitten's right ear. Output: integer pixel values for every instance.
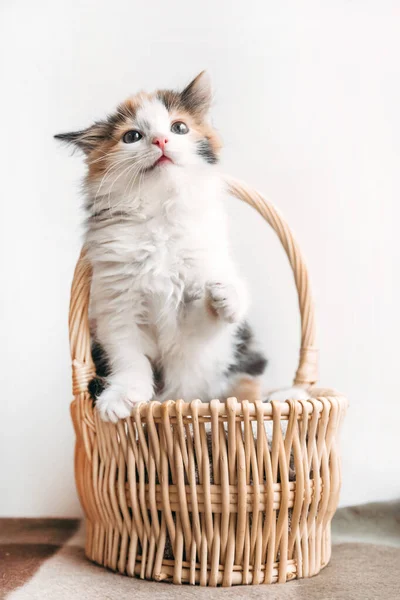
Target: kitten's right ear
(197, 96)
(87, 139)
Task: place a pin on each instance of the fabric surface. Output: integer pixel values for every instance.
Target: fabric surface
(45, 559)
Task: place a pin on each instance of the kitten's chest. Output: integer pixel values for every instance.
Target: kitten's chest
(163, 257)
(154, 255)
(163, 248)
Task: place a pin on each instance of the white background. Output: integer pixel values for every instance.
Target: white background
(307, 101)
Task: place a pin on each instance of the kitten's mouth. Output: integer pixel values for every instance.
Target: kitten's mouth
(163, 160)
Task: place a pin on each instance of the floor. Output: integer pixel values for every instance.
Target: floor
(43, 558)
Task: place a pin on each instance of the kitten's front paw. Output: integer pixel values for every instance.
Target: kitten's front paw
(117, 403)
(293, 393)
(226, 301)
(112, 405)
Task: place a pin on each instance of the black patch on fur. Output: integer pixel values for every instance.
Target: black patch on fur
(100, 360)
(106, 214)
(98, 384)
(193, 98)
(186, 100)
(158, 377)
(103, 370)
(169, 98)
(248, 360)
(204, 149)
(190, 99)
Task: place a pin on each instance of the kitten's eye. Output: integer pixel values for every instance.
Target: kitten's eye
(179, 127)
(131, 136)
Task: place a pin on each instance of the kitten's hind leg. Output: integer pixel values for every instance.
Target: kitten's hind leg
(292, 393)
(246, 388)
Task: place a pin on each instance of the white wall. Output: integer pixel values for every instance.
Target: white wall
(307, 101)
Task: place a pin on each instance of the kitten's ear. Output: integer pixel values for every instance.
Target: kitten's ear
(197, 96)
(87, 139)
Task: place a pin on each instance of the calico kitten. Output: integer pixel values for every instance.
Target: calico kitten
(167, 304)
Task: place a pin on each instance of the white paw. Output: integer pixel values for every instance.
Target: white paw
(117, 403)
(293, 393)
(226, 301)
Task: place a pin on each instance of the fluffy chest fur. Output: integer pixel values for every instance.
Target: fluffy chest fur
(157, 249)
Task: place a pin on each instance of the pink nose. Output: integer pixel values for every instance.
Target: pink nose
(160, 142)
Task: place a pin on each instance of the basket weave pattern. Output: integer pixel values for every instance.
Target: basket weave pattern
(209, 481)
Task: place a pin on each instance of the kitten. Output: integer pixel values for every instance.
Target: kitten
(167, 304)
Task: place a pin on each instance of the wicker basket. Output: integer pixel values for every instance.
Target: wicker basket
(189, 492)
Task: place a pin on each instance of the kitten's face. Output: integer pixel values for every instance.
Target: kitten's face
(149, 133)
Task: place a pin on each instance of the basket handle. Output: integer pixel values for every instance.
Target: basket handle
(307, 371)
(79, 333)
(83, 369)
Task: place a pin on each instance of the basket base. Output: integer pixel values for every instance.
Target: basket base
(118, 552)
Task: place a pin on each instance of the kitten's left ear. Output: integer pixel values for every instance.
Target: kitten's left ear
(197, 96)
(87, 139)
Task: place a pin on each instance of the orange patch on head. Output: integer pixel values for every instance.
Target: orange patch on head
(99, 159)
(101, 141)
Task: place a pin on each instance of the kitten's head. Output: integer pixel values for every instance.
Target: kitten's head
(150, 133)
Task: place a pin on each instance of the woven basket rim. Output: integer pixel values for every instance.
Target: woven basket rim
(173, 408)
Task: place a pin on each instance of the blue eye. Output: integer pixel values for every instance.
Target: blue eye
(130, 137)
(179, 127)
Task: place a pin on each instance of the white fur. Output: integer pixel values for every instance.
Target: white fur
(293, 393)
(155, 269)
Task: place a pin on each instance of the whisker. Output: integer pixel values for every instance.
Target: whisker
(113, 166)
(115, 180)
(135, 171)
(107, 154)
